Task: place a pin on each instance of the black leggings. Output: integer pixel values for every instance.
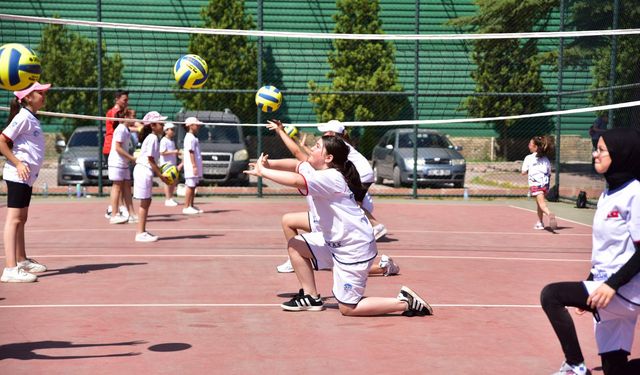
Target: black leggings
(554, 297)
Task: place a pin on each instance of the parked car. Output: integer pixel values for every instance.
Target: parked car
(438, 159)
(223, 147)
(79, 159)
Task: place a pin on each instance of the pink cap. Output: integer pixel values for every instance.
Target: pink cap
(37, 86)
(153, 116)
(192, 121)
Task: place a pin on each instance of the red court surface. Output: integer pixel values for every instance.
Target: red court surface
(205, 298)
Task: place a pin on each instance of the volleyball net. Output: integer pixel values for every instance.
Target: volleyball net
(487, 93)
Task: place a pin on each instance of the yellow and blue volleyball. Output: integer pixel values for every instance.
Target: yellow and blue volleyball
(291, 130)
(170, 172)
(191, 71)
(19, 67)
(268, 98)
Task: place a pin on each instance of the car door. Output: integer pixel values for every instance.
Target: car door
(386, 157)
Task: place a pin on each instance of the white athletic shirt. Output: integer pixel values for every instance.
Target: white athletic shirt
(616, 226)
(123, 135)
(191, 143)
(342, 222)
(149, 148)
(362, 165)
(167, 144)
(28, 146)
(539, 170)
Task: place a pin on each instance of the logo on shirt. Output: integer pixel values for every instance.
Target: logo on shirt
(36, 133)
(332, 244)
(613, 214)
(347, 287)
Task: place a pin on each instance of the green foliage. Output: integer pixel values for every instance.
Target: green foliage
(507, 65)
(597, 51)
(70, 60)
(232, 61)
(358, 65)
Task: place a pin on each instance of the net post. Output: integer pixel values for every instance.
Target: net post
(99, 84)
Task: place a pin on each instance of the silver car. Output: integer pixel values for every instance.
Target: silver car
(439, 161)
(78, 162)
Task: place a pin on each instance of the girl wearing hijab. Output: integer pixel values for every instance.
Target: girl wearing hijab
(612, 290)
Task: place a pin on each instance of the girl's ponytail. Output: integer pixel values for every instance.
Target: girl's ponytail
(14, 108)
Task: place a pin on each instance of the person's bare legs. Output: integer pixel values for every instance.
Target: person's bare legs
(294, 221)
(143, 211)
(14, 248)
(188, 196)
(300, 256)
(116, 188)
(370, 306)
(126, 195)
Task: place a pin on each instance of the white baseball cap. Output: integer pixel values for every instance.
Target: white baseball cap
(153, 116)
(192, 121)
(332, 126)
(168, 125)
(37, 86)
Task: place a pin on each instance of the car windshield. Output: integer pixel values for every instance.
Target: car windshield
(219, 134)
(425, 140)
(84, 139)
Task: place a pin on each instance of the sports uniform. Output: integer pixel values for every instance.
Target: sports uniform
(615, 261)
(142, 173)
(167, 144)
(539, 173)
(28, 146)
(119, 165)
(191, 144)
(345, 240)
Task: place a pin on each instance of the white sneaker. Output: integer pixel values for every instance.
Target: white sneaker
(118, 219)
(146, 237)
(538, 226)
(285, 267)
(390, 268)
(31, 265)
(132, 219)
(17, 275)
(568, 369)
(170, 203)
(553, 224)
(190, 211)
(107, 214)
(123, 211)
(379, 231)
(199, 210)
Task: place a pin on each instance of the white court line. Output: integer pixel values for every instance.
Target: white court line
(181, 305)
(458, 257)
(557, 217)
(531, 233)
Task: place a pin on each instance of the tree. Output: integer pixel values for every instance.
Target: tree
(232, 61)
(70, 60)
(359, 65)
(596, 51)
(508, 65)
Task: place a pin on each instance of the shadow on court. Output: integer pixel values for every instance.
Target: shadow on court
(26, 350)
(86, 268)
(169, 347)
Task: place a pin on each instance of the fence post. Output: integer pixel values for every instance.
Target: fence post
(559, 101)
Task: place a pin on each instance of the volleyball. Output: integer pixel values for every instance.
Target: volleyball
(170, 172)
(191, 71)
(268, 98)
(290, 130)
(19, 67)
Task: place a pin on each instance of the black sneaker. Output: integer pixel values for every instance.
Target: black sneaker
(303, 302)
(417, 306)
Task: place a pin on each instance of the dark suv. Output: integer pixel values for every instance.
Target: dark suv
(438, 160)
(223, 147)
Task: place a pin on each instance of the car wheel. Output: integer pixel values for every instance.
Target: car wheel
(376, 176)
(397, 182)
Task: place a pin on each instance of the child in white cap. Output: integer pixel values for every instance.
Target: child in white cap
(169, 155)
(192, 159)
(22, 143)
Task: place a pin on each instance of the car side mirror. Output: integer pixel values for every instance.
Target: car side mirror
(457, 148)
(389, 147)
(60, 145)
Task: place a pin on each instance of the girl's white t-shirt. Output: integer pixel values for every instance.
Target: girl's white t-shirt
(538, 168)
(167, 144)
(344, 226)
(616, 226)
(123, 135)
(28, 146)
(191, 143)
(148, 148)
(362, 165)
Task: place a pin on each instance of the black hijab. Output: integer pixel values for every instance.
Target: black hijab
(624, 149)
